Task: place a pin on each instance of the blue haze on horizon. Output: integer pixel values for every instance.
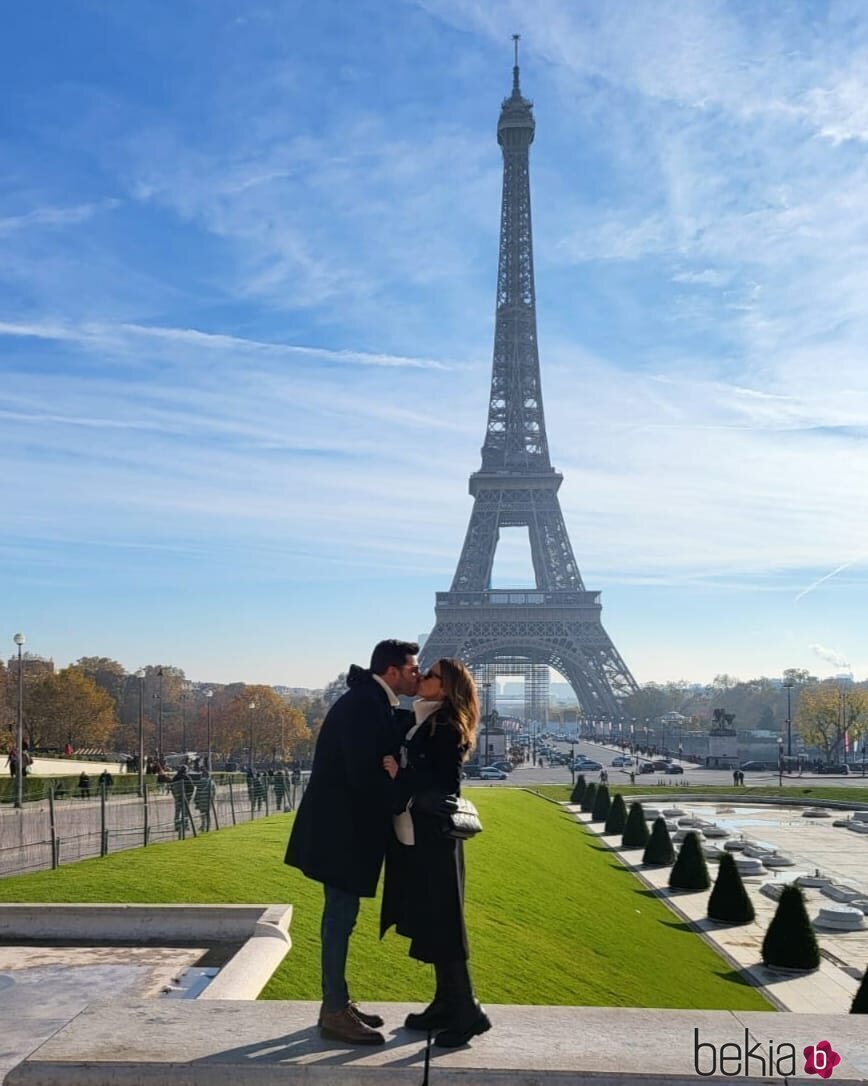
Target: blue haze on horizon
(247, 303)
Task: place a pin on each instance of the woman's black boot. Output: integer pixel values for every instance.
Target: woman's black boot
(436, 1014)
(467, 1017)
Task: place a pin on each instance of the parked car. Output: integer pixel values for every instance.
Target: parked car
(587, 764)
(840, 769)
(756, 766)
(491, 773)
(646, 767)
(507, 767)
(622, 759)
(673, 768)
(471, 770)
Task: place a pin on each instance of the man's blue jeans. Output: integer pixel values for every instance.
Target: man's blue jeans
(338, 920)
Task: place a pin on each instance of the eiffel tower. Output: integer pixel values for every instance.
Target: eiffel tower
(557, 624)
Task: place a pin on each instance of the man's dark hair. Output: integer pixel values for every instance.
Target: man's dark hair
(391, 653)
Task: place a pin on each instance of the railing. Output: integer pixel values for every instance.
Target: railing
(48, 832)
(519, 598)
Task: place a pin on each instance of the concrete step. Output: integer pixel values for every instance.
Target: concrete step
(271, 1043)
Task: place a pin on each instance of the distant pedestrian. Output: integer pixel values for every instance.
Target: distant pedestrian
(260, 783)
(182, 788)
(84, 785)
(632, 776)
(106, 780)
(279, 790)
(735, 776)
(205, 789)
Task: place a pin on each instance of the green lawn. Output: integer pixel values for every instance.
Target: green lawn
(553, 917)
(794, 792)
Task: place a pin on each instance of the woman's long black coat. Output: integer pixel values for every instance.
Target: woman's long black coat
(423, 894)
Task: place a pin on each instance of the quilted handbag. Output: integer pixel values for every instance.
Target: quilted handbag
(462, 820)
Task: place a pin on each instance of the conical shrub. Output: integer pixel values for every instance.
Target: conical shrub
(729, 900)
(790, 942)
(589, 797)
(636, 830)
(578, 790)
(616, 819)
(690, 871)
(860, 999)
(659, 852)
(602, 803)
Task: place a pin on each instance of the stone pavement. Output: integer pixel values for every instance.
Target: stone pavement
(42, 988)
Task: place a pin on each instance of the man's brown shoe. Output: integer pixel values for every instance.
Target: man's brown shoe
(343, 1026)
(373, 1020)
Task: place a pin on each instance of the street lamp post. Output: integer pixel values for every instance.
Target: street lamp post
(486, 686)
(573, 762)
(140, 675)
(185, 693)
(209, 694)
(160, 718)
(19, 764)
(252, 708)
(780, 762)
(789, 682)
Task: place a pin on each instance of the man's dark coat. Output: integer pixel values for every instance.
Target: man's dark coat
(344, 820)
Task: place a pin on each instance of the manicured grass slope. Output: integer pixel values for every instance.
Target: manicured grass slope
(552, 916)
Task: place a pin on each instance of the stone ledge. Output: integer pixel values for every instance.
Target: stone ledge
(262, 931)
(139, 1043)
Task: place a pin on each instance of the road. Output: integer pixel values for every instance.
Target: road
(694, 775)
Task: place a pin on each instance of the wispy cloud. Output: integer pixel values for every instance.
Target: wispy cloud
(53, 216)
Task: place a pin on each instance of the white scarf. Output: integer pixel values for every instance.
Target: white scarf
(403, 822)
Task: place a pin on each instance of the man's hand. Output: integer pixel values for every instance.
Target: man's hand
(390, 766)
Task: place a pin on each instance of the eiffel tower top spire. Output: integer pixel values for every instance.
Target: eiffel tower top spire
(515, 439)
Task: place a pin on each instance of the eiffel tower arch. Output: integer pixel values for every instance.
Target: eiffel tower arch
(558, 623)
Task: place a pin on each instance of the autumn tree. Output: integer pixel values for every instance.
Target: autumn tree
(258, 715)
(830, 717)
(68, 707)
(108, 674)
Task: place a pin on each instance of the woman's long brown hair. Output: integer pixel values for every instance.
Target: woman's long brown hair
(459, 690)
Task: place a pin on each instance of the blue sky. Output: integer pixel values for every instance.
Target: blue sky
(247, 269)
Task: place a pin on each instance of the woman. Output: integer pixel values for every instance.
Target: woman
(423, 894)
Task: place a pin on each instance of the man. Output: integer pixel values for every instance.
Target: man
(340, 832)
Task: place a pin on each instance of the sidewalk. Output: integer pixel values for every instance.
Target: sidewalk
(276, 1043)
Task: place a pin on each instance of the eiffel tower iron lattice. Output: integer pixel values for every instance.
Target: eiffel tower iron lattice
(557, 624)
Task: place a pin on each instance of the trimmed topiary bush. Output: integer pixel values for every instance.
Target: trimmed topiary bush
(790, 942)
(636, 830)
(578, 790)
(589, 797)
(729, 900)
(659, 852)
(690, 871)
(860, 999)
(602, 803)
(616, 819)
